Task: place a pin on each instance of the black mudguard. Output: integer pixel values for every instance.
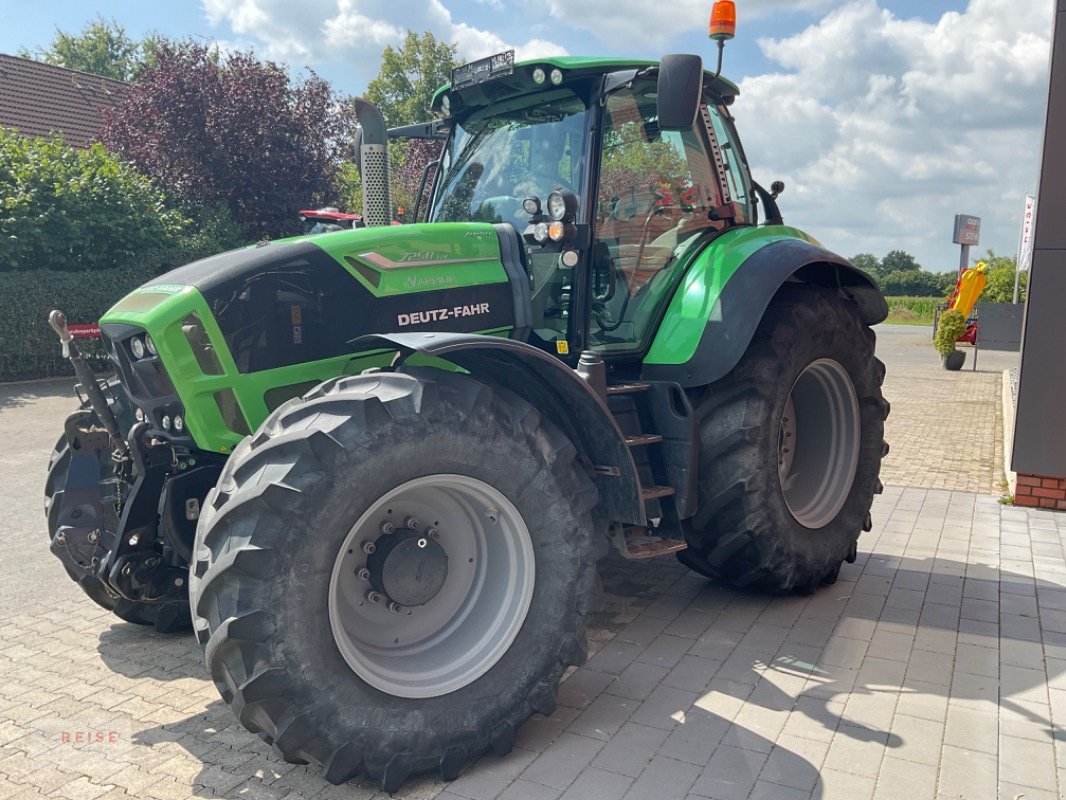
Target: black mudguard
(555, 390)
(747, 295)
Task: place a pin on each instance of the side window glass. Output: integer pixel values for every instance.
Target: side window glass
(736, 172)
(656, 189)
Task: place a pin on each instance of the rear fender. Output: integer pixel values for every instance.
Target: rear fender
(551, 387)
(714, 314)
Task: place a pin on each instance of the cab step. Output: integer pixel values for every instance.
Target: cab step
(643, 439)
(655, 492)
(627, 388)
(636, 544)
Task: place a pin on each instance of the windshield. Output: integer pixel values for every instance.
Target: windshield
(499, 157)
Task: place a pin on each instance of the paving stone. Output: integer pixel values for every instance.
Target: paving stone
(731, 774)
(629, 751)
(564, 759)
(663, 778)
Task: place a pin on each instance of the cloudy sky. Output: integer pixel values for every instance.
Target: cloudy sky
(885, 118)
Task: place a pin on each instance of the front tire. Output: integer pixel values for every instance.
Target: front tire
(165, 618)
(450, 658)
(791, 443)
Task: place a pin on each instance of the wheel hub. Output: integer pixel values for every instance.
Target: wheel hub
(408, 567)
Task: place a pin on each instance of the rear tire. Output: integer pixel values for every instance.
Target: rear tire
(279, 604)
(791, 443)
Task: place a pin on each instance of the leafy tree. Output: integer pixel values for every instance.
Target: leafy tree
(409, 75)
(910, 282)
(1000, 288)
(101, 48)
(896, 260)
(236, 131)
(867, 262)
(68, 209)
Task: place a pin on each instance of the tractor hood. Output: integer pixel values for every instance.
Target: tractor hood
(265, 322)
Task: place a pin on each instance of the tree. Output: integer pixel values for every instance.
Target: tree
(409, 75)
(236, 131)
(68, 209)
(102, 48)
(1000, 288)
(867, 262)
(896, 260)
(910, 282)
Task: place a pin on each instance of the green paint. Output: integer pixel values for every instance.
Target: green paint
(469, 255)
(696, 298)
(473, 253)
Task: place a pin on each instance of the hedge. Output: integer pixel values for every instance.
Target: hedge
(28, 346)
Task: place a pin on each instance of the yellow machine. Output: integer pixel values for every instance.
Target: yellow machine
(969, 288)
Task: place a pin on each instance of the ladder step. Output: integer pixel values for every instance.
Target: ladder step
(655, 492)
(627, 388)
(642, 439)
(636, 544)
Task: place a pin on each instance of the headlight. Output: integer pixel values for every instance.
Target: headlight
(446, 104)
(150, 345)
(139, 414)
(540, 232)
(179, 423)
(557, 76)
(531, 205)
(557, 231)
(166, 423)
(562, 206)
(137, 347)
(539, 76)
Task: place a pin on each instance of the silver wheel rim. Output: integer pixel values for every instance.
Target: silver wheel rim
(457, 636)
(818, 449)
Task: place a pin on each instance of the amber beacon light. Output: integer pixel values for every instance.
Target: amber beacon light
(723, 20)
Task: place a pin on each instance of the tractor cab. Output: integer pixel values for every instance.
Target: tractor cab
(615, 173)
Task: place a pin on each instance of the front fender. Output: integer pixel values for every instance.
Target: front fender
(721, 300)
(555, 390)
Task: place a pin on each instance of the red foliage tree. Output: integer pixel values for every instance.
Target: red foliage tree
(233, 130)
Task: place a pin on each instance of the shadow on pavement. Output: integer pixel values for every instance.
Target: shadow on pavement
(807, 653)
(15, 395)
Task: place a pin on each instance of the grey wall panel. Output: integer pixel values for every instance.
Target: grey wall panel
(1040, 424)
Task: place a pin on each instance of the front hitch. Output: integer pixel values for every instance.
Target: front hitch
(87, 380)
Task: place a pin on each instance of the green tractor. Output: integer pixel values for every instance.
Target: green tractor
(375, 469)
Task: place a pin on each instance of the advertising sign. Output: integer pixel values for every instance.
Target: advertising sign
(967, 229)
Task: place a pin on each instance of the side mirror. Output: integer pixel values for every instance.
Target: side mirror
(680, 91)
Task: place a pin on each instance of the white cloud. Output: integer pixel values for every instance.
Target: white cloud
(354, 32)
(626, 25)
(885, 128)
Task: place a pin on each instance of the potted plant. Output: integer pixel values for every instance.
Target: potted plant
(951, 326)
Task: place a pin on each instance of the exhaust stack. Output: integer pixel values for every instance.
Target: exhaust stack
(372, 153)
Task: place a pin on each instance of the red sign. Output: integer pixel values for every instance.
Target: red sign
(90, 331)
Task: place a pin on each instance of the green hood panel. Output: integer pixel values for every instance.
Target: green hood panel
(239, 333)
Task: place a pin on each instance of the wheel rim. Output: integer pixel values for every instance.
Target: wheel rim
(818, 450)
(476, 605)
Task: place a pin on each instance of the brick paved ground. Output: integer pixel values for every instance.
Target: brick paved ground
(935, 667)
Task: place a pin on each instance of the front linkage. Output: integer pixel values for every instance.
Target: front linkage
(155, 489)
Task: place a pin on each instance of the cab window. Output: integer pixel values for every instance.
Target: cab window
(656, 191)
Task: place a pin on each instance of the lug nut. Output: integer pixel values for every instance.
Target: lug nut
(179, 581)
(412, 523)
(369, 548)
(395, 607)
(388, 528)
(134, 539)
(422, 543)
(363, 574)
(373, 596)
(61, 538)
(94, 537)
(434, 533)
